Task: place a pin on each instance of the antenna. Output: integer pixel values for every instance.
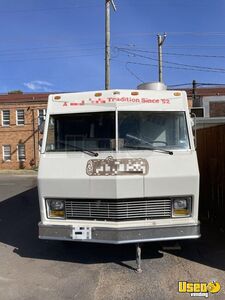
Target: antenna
(107, 41)
(113, 5)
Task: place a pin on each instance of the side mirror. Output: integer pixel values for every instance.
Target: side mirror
(194, 129)
(41, 127)
(40, 142)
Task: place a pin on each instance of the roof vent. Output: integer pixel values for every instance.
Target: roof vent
(156, 86)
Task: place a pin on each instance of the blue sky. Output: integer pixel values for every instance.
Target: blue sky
(58, 45)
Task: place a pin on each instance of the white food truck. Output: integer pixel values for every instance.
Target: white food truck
(119, 166)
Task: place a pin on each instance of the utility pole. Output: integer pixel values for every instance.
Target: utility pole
(194, 93)
(161, 40)
(107, 41)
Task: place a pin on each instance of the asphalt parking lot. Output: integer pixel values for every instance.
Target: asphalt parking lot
(35, 269)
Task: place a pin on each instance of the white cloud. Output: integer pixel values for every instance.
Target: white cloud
(39, 85)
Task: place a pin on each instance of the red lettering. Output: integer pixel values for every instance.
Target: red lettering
(77, 103)
(165, 101)
(146, 100)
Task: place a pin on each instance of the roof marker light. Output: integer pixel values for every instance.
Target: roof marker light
(57, 97)
(116, 93)
(98, 94)
(134, 93)
(177, 94)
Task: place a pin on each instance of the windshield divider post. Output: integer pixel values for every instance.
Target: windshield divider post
(117, 133)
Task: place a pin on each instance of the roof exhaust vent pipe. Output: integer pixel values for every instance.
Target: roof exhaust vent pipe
(155, 86)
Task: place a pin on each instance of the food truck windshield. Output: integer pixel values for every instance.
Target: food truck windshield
(138, 130)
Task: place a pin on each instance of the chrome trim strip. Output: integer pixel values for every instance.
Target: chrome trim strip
(123, 235)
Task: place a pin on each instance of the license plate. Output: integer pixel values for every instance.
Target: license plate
(81, 233)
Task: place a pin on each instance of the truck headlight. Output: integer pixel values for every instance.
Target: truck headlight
(55, 208)
(182, 207)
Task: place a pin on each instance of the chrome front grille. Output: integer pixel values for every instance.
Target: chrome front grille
(120, 210)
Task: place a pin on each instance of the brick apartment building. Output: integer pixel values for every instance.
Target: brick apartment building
(209, 100)
(20, 117)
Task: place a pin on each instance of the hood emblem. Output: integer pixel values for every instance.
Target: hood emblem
(112, 167)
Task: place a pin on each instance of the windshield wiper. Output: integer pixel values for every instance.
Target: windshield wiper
(150, 146)
(84, 150)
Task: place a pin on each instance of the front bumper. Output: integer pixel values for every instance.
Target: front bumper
(118, 236)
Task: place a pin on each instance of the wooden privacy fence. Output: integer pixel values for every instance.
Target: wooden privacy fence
(211, 158)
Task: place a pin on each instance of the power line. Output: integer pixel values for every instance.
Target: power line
(49, 58)
(174, 54)
(211, 84)
(194, 67)
(186, 46)
(53, 47)
(170, 67)
(171, 33)
(181, 84)
(68, 48)
(198, 84)
(46, 51)
(132, 73)
(196, 46)
(200, 33)
(47, 9)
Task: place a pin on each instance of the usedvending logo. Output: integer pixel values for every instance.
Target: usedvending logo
(199, 289)
(113, 167)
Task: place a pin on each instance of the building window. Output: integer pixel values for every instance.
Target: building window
(41, 116)
(20, 117)
(5, 117)
(21, 152)
(6, 150)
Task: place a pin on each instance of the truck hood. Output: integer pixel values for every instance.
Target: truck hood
(146, 174)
